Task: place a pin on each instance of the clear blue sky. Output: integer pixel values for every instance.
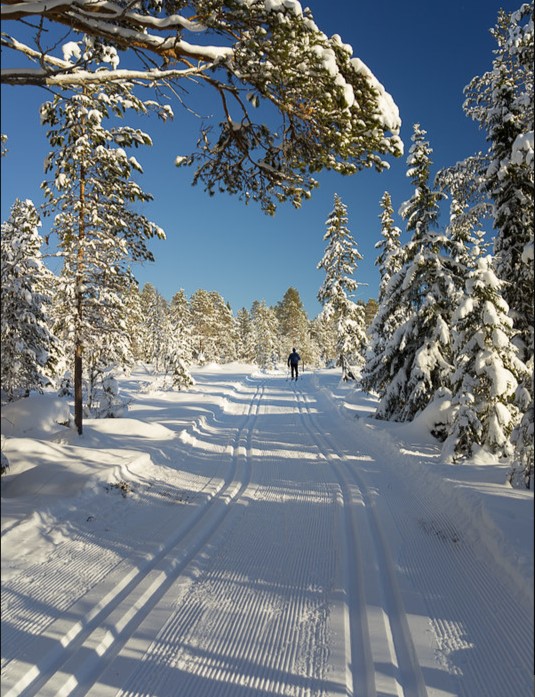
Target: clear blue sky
(424, 54)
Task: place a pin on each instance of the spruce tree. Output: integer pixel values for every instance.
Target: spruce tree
(91, 195)
(339, 263)
(502, 102)
(387, 317)
(417, 358)
(25, 336)
(488, 370)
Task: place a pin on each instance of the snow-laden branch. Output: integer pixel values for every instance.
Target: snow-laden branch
(334, 114)
(124, 26)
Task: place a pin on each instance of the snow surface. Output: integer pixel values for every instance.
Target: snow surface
(255, 536)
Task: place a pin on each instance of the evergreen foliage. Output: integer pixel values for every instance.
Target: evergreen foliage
(293, 326)
(245, 336)
(488, 370)
(26, 338)
(330, 111)
(387, 317)
(266, 333)
(501, 101)
(91, 195)
(416, 360)
(339, 263)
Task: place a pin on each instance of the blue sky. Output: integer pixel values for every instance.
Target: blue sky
(423, 53)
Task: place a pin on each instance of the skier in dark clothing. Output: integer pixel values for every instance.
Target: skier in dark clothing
(293, 362)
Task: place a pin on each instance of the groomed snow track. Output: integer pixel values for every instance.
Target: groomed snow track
(308, 567)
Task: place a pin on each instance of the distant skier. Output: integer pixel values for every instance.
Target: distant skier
(293, 363)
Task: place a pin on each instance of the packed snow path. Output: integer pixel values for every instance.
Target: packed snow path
(266, 546)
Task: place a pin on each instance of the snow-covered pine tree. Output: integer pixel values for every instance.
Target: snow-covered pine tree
(179, 356)
(180, 328)
(225, 329)
(156, 327)
(25, 336)
(339, 263)
(92, 195)
(389, 259)
(488, 370)
(417, 359)
(293, 326)
(202, 327)
(266, 335)
(502, 102)
(135, 322)
(246, 347)
(388, 317)
(323, 333)
(214, 331)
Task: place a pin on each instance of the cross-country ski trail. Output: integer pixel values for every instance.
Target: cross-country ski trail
(262, 544)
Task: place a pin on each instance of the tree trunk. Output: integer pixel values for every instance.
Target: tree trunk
(78, 349)
(78, 407)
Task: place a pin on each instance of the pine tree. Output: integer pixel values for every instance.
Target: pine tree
(487, 372)
(266, 332)
(324, 336)
(214, 330)
(180, 351)
(246, 349)
(417, 359)
(502, 102)
(156, 331)
(387, 317)
(339, 263)
(225, 329)
(91, 195)
(180, 324)
(293, 326)
(26, 339)
(135, 322)
(330, 110)
(522, 438)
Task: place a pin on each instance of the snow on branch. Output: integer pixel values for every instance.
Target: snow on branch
(333, 112)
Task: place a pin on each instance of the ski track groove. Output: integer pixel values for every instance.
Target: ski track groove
(358, 671)
(175, 626)
(279, 630)
(227, 631)
(409, 678)
(33, 682)
(468, 646)
(230, 494)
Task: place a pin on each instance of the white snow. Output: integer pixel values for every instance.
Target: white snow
(71, 50)
(522, 152)
(254, 536)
